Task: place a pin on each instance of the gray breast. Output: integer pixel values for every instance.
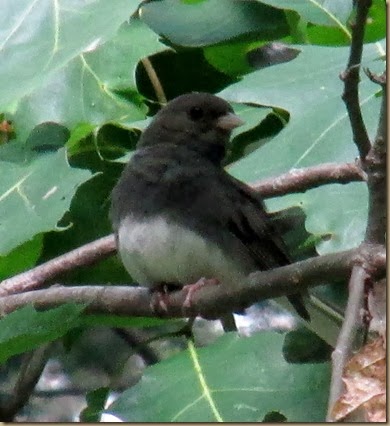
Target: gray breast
(155, 251)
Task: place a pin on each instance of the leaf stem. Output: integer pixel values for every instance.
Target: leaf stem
(158, 89)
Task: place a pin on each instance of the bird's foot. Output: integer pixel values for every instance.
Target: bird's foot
(193, 288)
(160, 299)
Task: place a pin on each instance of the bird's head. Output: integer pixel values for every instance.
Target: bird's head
(201, 121)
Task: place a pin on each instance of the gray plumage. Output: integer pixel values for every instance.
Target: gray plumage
(179, 216)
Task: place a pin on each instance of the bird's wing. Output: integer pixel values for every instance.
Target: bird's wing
(253, 226)
(250, 222)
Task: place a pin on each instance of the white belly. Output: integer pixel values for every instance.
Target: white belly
(155, 251)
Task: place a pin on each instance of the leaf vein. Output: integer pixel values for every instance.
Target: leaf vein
(325, 131)
(18, 24)
(14, 187)
(184, 409)
(333, 18)
(202, 380)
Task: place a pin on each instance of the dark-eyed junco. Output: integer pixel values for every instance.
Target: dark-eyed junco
(179, 217)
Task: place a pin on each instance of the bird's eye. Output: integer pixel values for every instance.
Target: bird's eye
(196, 113)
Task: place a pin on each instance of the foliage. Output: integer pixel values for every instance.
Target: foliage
(233, 380)
(74, 86)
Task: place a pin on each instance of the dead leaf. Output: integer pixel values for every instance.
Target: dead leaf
(365, 384)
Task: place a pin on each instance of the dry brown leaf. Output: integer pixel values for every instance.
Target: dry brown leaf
(365, 384)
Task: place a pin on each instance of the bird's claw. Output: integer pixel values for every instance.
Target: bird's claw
(193, 288)
(160, 300)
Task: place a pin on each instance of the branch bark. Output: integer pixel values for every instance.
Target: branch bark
(31, 370)
(82, 256)
(298, 180)
(375, 167)
(209, 302)
(348, 337)
(351, 78)
(373, 159)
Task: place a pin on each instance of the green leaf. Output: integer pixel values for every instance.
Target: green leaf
(26, 329)
(79, 133)
(274, 417)
(302, 346)
(333, 13)
(376, 23)
(212, 21)
(237, 379)
(319, 131)
(230, 58)
(35, 192)
(47, 137)
(88, 214)
(21, 258)
(119, 321)
(37, 38)
(96, 400)
(251, 115)
(94, 87)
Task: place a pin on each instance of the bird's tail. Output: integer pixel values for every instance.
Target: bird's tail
(297, 301)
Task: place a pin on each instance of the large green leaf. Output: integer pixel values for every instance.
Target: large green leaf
(39, 37)
(35, 192)
(212, 21)
(330, 19)
(94, 87)
(309, 88)
(320, 22)
(26, 329)
(237, 379)
(321, 12)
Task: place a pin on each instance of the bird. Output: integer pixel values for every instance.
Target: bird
(179, 217)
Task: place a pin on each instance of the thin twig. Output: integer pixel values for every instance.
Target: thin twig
(82, 256)
(33, 365)
(300, 180)
(211, 302)
(348, 337)
(73, 391)
(158, 89)
(137, 342)
(351, 80)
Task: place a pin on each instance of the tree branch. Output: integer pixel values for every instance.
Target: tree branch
(211, 301)
(82, 256)
(351, 80)
(375, 167)
(349, 334)
(138, 343)
(31, 370)
(373, 160)
(300, 180)
(294, 181)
